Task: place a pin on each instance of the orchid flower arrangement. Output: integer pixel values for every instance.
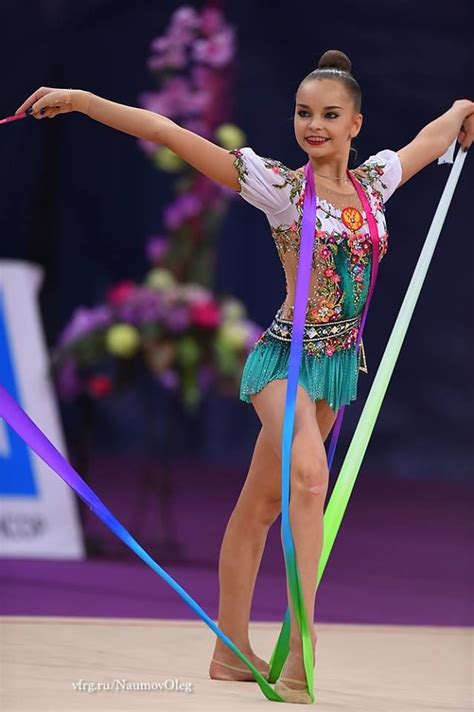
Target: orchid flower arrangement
(193, 65)
(188, 337)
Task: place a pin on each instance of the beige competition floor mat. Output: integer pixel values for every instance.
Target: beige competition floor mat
(68, 664)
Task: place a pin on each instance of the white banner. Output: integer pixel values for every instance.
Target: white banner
(38, 511)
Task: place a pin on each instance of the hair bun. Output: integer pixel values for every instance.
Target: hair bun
(335, 59)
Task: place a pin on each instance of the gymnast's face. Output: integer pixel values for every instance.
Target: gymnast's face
(323, 108)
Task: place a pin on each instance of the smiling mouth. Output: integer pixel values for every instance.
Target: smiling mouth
(315, 141)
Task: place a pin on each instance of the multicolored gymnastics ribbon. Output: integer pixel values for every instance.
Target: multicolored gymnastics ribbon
(281, 650)
(447, 157)
(15, 416)
(294, 364)
(39, 443)
(346, 480)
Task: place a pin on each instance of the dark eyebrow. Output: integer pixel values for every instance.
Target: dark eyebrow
(305, 106)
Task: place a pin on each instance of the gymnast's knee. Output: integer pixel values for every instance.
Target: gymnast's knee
(310, 478)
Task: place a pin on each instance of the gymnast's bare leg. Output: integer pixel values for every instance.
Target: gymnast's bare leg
(258, 506)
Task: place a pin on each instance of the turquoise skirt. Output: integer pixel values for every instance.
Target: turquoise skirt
(330, 363)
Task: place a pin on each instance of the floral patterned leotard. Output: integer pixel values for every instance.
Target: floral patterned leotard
(340, 273)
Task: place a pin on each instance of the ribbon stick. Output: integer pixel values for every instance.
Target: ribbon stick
(345, 482)
(15, 117)
(39, 443)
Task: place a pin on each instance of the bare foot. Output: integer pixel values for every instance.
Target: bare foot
(238, 671)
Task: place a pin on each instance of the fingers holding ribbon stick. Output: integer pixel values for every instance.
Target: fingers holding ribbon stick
(48, 102)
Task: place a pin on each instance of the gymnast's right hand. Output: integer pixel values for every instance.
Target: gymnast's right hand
(49, 102)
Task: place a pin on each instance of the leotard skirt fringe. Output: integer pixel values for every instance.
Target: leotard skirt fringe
(329, 366)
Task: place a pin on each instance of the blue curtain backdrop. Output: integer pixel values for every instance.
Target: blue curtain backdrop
(81, 199)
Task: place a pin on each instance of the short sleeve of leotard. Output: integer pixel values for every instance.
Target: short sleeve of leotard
(264, 182)
(384, 172)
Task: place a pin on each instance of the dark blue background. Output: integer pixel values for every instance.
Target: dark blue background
(81, 199)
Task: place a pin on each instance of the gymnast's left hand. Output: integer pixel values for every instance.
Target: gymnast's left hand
(49, 102)
(466, 132)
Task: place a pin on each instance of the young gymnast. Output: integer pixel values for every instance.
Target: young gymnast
(327, 117)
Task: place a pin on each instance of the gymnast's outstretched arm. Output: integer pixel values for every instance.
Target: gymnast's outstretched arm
(213, 161)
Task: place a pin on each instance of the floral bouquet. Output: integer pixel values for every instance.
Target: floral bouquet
(186, 337)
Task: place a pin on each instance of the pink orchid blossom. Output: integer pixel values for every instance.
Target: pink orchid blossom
(217, 51)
